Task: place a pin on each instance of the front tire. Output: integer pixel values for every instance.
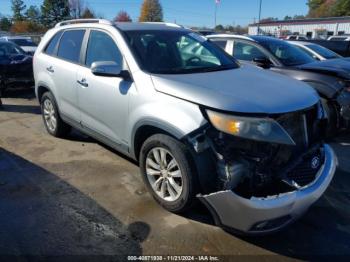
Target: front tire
(167, 170)
(52, 120)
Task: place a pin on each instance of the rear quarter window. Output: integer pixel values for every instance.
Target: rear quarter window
(51, 47)
(70, 45)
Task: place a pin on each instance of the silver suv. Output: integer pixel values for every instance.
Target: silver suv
(245, 142)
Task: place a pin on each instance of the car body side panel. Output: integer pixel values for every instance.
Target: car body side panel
(149, 107)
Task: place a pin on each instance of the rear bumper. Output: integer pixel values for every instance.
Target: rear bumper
(266, 215)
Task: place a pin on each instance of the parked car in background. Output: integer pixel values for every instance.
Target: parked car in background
(15, 66)
(315, 51)
(339, 38)
(197, 124)
(296, 37)
(330, 79)
(25, 43)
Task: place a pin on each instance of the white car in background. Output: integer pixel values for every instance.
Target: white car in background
(296, 37)
(25, 42)
(339, 38)
(316, 51)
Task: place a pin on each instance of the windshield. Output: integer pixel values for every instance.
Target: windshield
(177, 52)
(286, 53)
(23, 42)
(324, 52)
(7, 49)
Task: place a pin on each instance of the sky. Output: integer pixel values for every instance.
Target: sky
(192, 12)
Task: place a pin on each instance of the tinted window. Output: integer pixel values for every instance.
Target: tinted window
(286, 53)
(177, 52)
(23, 42)
(221, 43)
(50, 48)
(247, 52)
(326, 53)
(7, 49)
(70, 45)
(101, 47)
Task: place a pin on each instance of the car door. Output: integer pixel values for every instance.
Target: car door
(246, 51)
(63, 69)
(103, 101)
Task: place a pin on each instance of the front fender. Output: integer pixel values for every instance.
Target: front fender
(172, 115)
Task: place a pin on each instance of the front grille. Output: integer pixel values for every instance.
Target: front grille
(305, 172)
(301, 126)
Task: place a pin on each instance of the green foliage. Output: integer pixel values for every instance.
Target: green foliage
(54, 11)
(328, 8)
(18, 7)
(151, 11)
(342, 8)
(233, 29)
(5, 24)
(219, 28)
(33, 14)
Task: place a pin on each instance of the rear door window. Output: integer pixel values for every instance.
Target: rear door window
(247, 52)
(51, 47)
(70, 45)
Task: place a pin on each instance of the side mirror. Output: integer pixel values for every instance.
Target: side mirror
(263, 62)
(106, 68)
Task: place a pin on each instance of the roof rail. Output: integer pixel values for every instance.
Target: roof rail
(84, 21)
(165, 23)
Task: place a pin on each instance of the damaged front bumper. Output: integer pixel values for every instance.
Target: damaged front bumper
(269, 214)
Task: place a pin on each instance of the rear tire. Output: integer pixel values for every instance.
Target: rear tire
(52, 120)
(168, 172)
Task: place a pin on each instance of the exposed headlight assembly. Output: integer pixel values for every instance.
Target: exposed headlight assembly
(260, 129)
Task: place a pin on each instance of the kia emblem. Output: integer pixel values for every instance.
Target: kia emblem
(315, 162)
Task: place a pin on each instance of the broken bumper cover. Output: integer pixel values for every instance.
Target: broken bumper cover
(266, 215)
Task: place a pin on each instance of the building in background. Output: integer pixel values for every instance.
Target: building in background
(317, 28)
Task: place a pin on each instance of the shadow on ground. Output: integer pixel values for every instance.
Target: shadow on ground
(42, 215)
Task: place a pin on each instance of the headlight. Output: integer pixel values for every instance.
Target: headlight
(261, 129)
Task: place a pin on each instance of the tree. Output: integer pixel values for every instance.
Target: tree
(219, 28)
(341, 8)
(33, 14)
(151, 11)
(88, 13)
(122, 16)
(321, 8)
(18, 7)
(77, 8)
(268, 19)
(5, 24)
(298, 17)
(26, 27)
(54, 11)
(287, 17)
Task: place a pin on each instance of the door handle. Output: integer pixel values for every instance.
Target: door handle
(50, 69)
(83, 82)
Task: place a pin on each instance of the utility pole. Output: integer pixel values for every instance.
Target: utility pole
(217, 2)
(259, 17)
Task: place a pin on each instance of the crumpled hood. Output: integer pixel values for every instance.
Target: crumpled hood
(247, 89)
(338, 67)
